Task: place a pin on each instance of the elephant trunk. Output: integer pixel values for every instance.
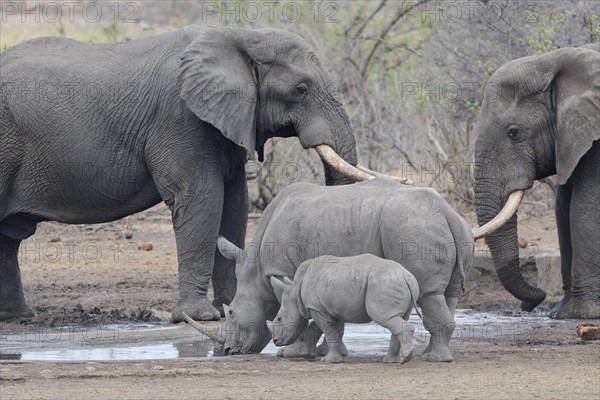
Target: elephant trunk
(504, 249)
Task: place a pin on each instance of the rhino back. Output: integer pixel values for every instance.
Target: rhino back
(337, 287)
(314, 221)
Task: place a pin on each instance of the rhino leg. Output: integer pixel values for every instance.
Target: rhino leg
(401, 347)
(305, 346)
(323, 348)
(438, 319)
(330, 327)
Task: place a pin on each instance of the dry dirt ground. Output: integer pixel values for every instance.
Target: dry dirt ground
(94, 275)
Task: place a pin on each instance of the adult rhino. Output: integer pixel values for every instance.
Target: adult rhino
(412, 226)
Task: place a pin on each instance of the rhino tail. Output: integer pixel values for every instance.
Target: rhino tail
(412, 288)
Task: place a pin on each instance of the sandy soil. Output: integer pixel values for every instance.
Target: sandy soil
(86, 275)
(478, 372)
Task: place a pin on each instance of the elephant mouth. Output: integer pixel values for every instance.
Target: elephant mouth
(358, 173)
(509, 209)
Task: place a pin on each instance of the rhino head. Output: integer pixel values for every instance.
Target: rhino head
(289, 323)
(245, 329)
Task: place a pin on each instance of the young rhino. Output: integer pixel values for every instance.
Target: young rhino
(334, 290)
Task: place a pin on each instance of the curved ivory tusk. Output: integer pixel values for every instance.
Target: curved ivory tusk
(212, 331)
(509, 209)
(340, 165)
(226, 310)
(405, 181)
(287, 281)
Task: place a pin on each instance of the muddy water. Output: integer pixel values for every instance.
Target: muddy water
(151, 342)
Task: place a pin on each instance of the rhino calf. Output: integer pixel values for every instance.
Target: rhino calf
(335, 290)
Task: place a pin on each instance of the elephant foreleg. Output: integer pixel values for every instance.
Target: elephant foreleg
(563, 224)
(196, 220)
(584, 218)
(12, 298)
(233, 227)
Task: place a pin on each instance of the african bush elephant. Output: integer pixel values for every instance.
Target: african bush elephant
(170, 118)
(540, 117)
(412, 226)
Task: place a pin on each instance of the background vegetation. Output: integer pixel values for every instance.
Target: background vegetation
(411, 73)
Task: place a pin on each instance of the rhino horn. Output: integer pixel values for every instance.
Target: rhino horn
(212, 330)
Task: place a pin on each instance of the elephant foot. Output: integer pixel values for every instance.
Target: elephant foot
(323, 349)
(298, 349)
(19, 311)
(572, 308)
(400, 358)
(437, 355)
(200, 310)
(333, 358)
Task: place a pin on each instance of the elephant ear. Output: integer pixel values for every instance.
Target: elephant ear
(219, 84)
(573, 74)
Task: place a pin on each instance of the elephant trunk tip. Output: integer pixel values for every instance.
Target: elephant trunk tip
(530, 304)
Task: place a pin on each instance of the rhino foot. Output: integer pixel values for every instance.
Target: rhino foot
(298, 349)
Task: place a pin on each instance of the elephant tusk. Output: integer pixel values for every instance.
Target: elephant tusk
(405, 181)
(226, 310)
(509, 209)
(212, 331)
(340, 165)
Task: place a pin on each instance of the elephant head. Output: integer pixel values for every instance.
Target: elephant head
(539, 116)
(255, 84)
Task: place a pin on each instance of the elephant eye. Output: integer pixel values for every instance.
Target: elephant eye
(278, 319)
(513, 132)
(230, 312)
(302, 90)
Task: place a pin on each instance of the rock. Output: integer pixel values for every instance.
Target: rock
(536, 238)
(588, 331)
(522, 242)
(54, 239)
(128, 234)
(145, 246)
(162, 315)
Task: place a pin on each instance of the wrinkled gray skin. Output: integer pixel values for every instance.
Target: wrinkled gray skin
(412, 226)
(92, 133)
(540, 117)
(359, 289)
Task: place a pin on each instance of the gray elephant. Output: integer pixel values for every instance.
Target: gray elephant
(93, 133)
(541, 117)
(335, 290)
(412, 226)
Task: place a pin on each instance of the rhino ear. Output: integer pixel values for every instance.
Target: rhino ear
(219, 83)
(278, 288)
(573, 75)
(229, 250)
(288, 281)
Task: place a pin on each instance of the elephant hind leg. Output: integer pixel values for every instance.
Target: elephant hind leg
(12, 298)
